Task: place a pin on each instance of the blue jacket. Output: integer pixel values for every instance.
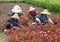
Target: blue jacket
(42, 17)
(11, 22)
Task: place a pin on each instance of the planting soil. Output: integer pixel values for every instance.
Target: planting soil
(5, 8)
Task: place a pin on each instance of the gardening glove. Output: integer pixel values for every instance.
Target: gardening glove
(5, 30)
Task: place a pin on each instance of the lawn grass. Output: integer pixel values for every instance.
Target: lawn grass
(10, 1)
(51, 5)
(0, 36)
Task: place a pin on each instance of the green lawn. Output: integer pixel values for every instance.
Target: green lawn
(50, 1)
(1, 1)
(0, 35)
(3, 37)
(51, 5)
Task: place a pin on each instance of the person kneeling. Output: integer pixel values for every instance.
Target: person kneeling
(43, 18)
(13, 22)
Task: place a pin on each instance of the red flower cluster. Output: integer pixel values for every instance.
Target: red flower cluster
(40, 33)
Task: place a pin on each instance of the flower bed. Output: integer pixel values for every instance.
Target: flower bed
(40, 33)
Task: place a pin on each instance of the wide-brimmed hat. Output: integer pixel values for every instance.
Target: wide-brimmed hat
(16, 9)
(31, 9)
(15, 16)
(45, 11)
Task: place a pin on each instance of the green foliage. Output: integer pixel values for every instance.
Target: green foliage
(10, 1)
(51, 5)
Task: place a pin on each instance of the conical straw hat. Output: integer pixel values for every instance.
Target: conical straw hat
(46, 12)
(31, 9)
(15, 16)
